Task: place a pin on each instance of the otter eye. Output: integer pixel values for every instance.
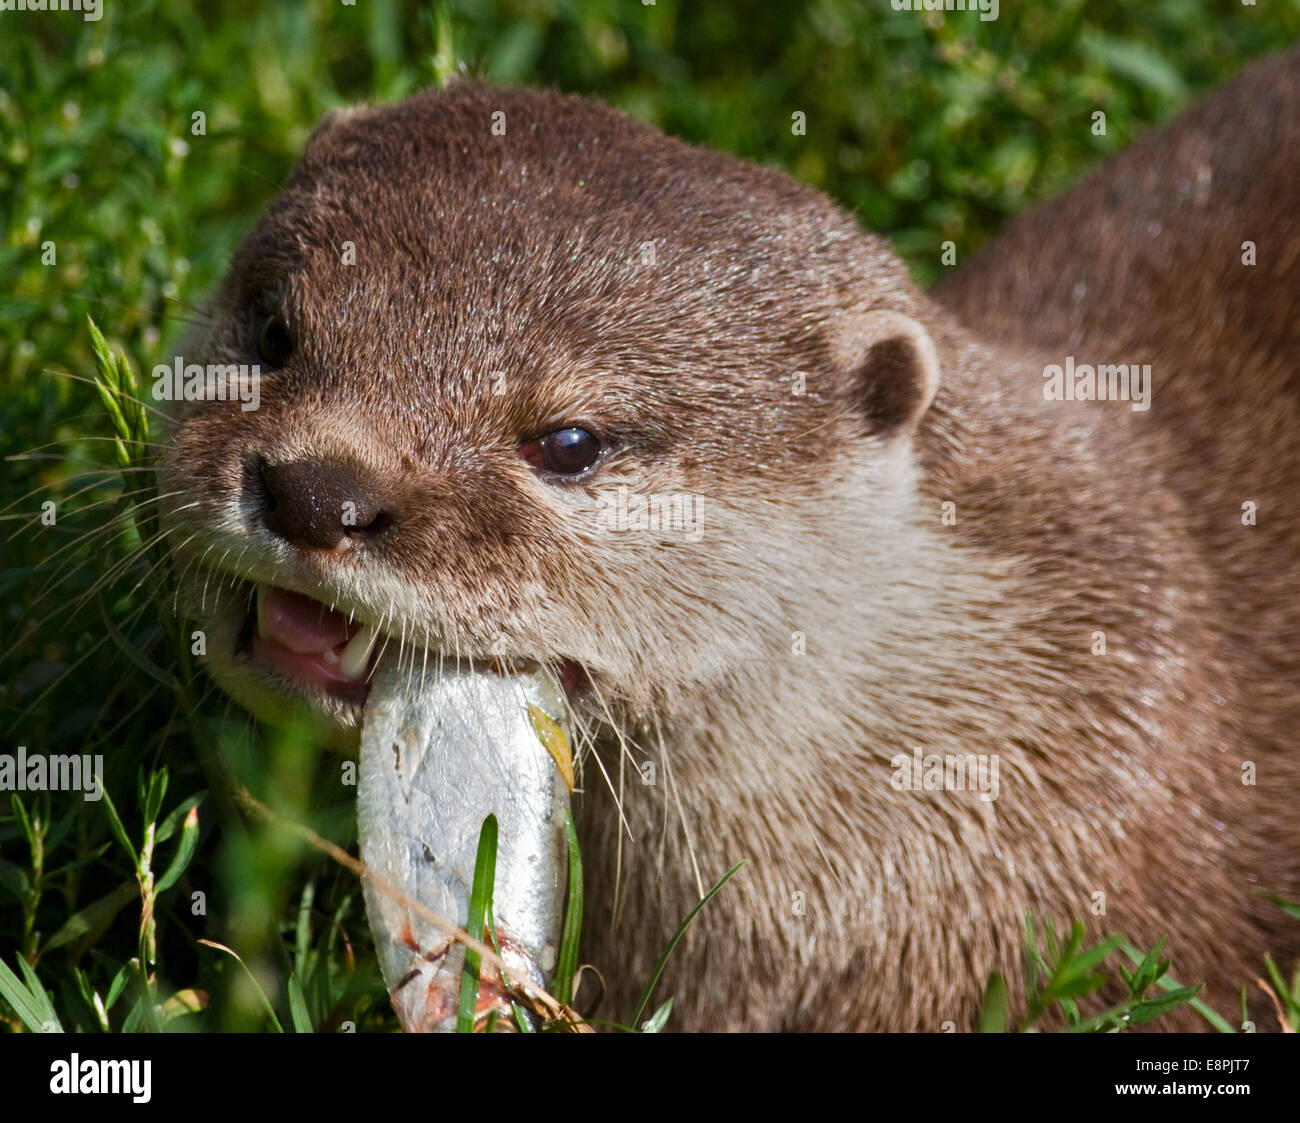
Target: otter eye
(566, 452)
(274, 343)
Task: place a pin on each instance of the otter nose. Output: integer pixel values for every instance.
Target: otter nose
(320, 506)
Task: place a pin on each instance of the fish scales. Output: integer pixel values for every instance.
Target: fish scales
(436, 759)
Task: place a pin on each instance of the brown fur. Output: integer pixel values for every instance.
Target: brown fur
(861, 906)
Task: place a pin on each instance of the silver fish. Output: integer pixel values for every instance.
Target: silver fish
(435, 761)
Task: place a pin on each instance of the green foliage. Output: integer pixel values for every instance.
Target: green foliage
(480, 908)
(566, 964)
(1285, 992)
(113, 203)
(1060, 973)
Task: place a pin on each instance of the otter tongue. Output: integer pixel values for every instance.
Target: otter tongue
(298, 623)
(436, 758)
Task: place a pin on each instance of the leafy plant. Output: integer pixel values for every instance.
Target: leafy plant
(1062, 972)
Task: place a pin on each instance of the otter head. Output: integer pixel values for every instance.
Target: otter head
(536, 383)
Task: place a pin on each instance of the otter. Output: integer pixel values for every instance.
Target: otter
(488, 320)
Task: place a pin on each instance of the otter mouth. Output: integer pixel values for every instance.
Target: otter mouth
(309, 643)
(307, 647)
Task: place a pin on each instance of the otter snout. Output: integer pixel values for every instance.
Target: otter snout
(320, 506)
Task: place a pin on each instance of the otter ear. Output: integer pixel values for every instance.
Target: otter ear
(895, 369)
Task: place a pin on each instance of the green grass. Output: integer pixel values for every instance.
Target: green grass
(1061, 973)
(162, 906)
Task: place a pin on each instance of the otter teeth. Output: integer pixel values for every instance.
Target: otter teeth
(356, 655)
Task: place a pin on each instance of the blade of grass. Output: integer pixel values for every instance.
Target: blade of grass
(27, 1005)
(298, 1006)
(993, 1011)
(184, 851)
(659, 1018)
(521, 1018)
(1279, 985)
(672, 944)
(49, 1019)
(95, 917)
(480, 901)
(119, 831)
(567, 962)
(270, 1010)
(1165, 983)
(118, 985)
